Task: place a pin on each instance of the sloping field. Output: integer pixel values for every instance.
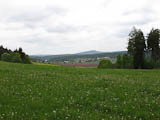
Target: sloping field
(46, 92)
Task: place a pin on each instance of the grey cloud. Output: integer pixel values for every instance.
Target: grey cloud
(123, 33)
(143, 15)
(61, 29)
(37, 39)
(45, 40)
(64, 28)
(56, 10)
(138, 21)
(31, 17)
(143, 11)
(36, 14)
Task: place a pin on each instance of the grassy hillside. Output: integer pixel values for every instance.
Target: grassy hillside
(46, 92)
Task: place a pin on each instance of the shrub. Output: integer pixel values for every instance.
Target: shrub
(119, 62)
(16, 58)
(127, 61)
(26, 60)
(157, 64)
(105, 63)
(148, 64)
(6, 57)
(151, 64)
(124, 61)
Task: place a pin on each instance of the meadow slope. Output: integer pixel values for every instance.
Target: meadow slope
(46, 92)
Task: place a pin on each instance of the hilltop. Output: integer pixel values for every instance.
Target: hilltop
(89, 52)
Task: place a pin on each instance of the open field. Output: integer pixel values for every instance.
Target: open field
(46, 92)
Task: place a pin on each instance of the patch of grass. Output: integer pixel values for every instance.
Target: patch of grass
(44, 92)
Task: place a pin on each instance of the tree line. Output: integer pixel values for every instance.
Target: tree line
(143, 51)
(17, 56)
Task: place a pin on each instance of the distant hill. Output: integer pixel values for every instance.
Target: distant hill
(89, 52)
(69, 57)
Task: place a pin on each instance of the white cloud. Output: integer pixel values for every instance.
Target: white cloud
(69, 26)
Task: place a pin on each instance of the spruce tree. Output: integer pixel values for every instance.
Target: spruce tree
(153, 40)
(136, 47)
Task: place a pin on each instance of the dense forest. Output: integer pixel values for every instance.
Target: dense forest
(17, 56)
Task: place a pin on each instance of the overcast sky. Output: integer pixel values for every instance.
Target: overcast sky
(70, 26)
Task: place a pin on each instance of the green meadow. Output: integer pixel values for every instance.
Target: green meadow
(48, 92)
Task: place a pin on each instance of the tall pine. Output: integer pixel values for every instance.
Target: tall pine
(136, 47)
(153, 40)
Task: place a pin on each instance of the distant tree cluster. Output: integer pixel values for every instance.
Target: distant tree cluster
(143, 52)
(17, 56)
